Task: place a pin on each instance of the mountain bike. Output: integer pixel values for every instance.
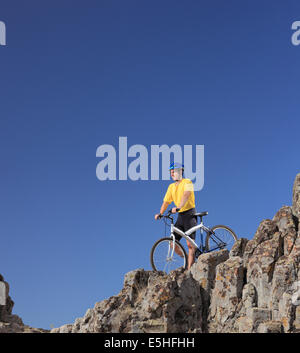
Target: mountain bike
(168, 254)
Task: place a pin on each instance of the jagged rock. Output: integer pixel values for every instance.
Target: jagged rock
(295, 253)
(284, 277)
(10, 323)
(253, 321)
(296, 197)
(6, 303)
(287, 312)
(253, 288)
(149, 302)
(238, 247)
(63, 329)
(261, 265)
(204, 271)
(267, 228)
(226, 294)
(287, 225)
(297, 319)
(250, 289)
(270, 327)
(249, 298)
(258, 316)
(244, 324)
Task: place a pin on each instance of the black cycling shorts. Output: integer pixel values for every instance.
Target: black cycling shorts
(185, 221)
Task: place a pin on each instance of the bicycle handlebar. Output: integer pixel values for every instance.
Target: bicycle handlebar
(167, 215)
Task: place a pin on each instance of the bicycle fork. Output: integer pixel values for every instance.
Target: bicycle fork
(173, 244)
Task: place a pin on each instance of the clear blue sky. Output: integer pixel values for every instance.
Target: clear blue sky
(78, 74)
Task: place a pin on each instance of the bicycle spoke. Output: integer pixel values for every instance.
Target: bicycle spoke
(162, 258)
(221, 238)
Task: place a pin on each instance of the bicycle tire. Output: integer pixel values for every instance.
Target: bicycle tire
(230, 235)
(165, 262)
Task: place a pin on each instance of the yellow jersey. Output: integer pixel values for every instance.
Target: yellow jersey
(175, 193)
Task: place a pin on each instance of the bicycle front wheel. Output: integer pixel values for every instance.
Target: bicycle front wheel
(164, 258)
(222, 238)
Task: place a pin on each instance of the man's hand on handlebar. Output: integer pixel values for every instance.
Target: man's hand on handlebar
(172, 210)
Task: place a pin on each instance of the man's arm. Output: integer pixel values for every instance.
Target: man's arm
(164, 206)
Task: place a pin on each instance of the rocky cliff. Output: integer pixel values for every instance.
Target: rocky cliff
(10, 323)
(253, 288)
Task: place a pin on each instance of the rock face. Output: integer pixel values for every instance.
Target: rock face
(148, 302)
(10, 323)
(254, 288)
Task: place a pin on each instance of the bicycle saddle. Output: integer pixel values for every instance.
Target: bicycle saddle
(201, 214)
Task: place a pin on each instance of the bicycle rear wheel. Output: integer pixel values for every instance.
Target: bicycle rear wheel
(222, 238)
(161, 256)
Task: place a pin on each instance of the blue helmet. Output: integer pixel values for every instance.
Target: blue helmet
(176, 166)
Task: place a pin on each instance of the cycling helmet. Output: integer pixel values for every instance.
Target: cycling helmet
(176, 166)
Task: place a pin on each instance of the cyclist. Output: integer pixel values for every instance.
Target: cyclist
(181, 192)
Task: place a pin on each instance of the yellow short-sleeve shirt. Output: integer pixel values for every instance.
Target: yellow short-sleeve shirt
(175, 193)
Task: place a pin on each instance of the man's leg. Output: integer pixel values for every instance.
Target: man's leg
(191, 256)
(190, 221)
(177, 250)
(178, 237)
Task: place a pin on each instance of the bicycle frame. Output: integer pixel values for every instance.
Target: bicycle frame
(186, 235)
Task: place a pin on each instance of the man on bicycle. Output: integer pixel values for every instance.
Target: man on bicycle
(181, 192)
